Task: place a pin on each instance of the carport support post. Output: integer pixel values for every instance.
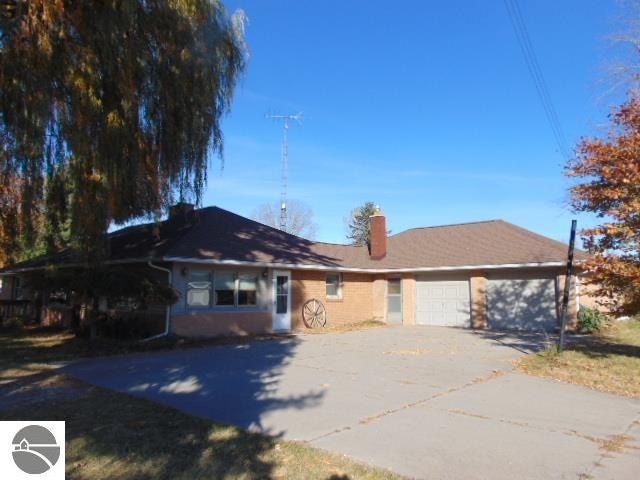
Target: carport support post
(567, 286)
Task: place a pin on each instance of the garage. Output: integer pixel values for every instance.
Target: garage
(521, 301)
(443, 302)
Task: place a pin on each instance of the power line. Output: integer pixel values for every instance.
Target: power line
(528, 52)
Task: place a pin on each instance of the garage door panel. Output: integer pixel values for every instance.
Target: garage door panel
(444, 303)
(451, 292)
(521, 304)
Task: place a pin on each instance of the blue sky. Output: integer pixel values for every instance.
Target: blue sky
(426, 108)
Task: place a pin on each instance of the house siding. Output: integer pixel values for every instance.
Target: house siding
(356, 304)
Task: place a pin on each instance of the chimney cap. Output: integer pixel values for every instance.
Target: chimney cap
(377, 212)
(180, 209)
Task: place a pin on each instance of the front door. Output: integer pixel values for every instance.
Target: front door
(394, 300)
(281, 301)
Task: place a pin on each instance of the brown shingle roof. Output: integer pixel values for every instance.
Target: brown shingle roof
(214, 234)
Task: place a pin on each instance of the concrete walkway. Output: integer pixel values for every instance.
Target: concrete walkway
(425, 402)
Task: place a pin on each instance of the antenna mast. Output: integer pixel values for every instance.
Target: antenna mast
(286, 119)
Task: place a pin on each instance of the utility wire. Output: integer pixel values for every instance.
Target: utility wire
(526, 47)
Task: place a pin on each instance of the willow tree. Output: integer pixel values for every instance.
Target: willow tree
(109, 110)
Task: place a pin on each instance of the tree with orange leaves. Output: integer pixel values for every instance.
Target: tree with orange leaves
(609, 173)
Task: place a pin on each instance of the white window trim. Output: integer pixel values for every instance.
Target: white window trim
(236, 291)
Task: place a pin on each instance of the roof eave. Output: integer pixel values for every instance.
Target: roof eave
(76, 265)
(337, 268)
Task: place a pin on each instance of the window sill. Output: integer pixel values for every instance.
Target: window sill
(226, 309)
(334, 299)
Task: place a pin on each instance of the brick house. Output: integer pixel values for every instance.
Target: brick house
(237, 276)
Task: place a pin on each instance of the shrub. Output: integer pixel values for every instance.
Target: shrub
(11, 323)
(590, 320)
(114, 326)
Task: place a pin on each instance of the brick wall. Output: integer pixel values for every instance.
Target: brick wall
(478, 290)
(408, 299)
(355, 305)
(209, 324)
(572, 313)
(379, 297)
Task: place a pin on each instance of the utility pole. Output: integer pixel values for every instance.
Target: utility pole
(567, 285)
(286, 119)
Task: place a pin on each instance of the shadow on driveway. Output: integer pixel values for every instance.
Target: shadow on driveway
(524, 342)
(232, 384)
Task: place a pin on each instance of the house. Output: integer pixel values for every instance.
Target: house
(238, 276)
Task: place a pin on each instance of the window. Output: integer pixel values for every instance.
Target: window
(334, 285)
(247, 289)
(225, 288)
(222, 289)
(394, 286)
(199, 289)
(58, 296)
(394, 300)
(17, 288)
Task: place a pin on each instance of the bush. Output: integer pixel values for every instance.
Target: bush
(590, 320)
(122, 328)
(11, 323)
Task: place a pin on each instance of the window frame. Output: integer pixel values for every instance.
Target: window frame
(399, 296)
(213, 297)
(214, 302)
(237, 289)
(17, 289)
(338, 295)
(188, 288)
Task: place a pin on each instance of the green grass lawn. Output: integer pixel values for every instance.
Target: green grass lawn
(112, 435)
(608, 361)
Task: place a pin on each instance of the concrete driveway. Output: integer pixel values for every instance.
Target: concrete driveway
(425, 402)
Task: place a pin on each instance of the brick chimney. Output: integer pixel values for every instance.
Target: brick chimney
(180, 209)
(378, 240)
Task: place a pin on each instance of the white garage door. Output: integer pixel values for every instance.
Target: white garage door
(517, 303)
(443, 303)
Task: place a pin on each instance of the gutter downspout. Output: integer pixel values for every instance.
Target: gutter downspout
(167, 319)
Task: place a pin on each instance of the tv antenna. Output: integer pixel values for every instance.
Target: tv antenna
(286, 121)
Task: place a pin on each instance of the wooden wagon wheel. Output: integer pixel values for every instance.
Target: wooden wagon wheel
(313, 314)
